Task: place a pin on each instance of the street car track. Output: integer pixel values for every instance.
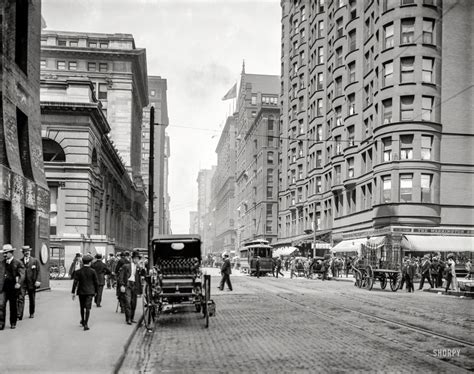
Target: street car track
(399, 324)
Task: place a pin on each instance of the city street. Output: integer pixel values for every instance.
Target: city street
(301, 325)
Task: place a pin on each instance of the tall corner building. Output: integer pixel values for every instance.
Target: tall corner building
(157, 94)
(24, 194)
(377, 123)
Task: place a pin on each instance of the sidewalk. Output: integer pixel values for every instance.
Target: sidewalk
(54, 342)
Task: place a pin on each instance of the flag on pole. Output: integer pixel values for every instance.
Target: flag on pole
(232, 93)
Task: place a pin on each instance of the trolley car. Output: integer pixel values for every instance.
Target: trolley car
(176, 278)
(249, 253)
(377, 263)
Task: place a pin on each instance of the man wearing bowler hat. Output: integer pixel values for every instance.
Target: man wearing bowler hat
(30, 283)
(14, 275)
(86, 285)
(129, 286)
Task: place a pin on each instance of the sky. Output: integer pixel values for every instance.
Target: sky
(198, 46)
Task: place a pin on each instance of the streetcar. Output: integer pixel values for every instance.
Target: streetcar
(249, 253)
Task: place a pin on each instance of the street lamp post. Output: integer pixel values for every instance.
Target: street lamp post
(151, 163)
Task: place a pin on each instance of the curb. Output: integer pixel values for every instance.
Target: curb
(120, 360)
(451, 293)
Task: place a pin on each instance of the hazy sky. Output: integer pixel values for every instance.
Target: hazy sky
(198, 46)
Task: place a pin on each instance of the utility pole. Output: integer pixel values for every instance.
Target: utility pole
(151, 169)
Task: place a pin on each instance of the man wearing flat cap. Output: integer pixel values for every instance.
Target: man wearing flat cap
(30, 283)
(129, 285)
(14, 275)
(86, 286)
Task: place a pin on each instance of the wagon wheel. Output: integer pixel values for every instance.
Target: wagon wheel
(53, 272)
(369, 278)
(206, 298)
(383, 281)
(358, 278)
(149, 307)
(62, 272)
(395, 279)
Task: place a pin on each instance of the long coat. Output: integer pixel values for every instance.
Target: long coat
(85, 281)
(32, 272)
(124, 275)
(226, 267)
(101, 269)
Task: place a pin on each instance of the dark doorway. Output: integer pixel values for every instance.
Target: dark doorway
(5, 221)
(30, 230)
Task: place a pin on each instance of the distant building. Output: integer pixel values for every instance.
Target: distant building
(205, 221)
(377, 106)
(24, 195)
(158, 99)
(95, 206)
(193, 222)
(223, 191)
(98, 196)
(257, 129)
(118, 71)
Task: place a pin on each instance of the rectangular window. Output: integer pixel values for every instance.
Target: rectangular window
(338, 86)
(428, 26)
(43, 64)
(270, 158)
(387, 149)
(91, 66)
(427, 74)
(318, 185)
(61, 43)
(386, 189)
(338, 57)
(351, 135)
(339, 28)
(338, 116)
(406, 107)
(352, 73)
(269, 192)
(319, 133)
(351, 104)
(72, 65)
(388, 74)
(426, 188)
(406, 188)
(426, 144)
(319, 108)
(350, 167)
(104, 45)
(102, 91)
(352, 9)
(427, 108)
(387, 111)
(318, 159)
(92, 45)
(103, 67)
(320, 81)
(73, 43)
(407, 70)
(407, 31)
(320, 29)
(61, 65)
(21, 34)
(406, 147)
(320, 55)
(352, 40)
(388, 31)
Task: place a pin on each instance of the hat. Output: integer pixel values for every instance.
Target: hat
(26, 248)
(450, 256)
(136, 254)
(98, 256)
(87, 259)
(226, 255)
(8, 248)
(126, 253)
(111, 254)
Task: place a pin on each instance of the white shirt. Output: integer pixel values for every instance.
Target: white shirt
(133, 268)
(9, 261)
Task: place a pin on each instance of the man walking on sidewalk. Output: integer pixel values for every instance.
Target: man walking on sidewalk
(129, 285)
(425, 272)
(101, 270)
(226, 271)
(14, 275)
(86, 285)
(30, 283)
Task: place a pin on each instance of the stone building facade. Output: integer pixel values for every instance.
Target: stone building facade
(377, 102)
(157, 94)
(95, 206)
(223, 191)
(24, 195)
(205, 220)
(257, 157)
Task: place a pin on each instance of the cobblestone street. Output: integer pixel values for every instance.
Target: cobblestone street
(301, 325)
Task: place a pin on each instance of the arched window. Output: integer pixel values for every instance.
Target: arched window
(52, 151)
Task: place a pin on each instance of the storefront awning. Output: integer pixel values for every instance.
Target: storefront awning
(284, 251)
(422, 243)
(352, 245)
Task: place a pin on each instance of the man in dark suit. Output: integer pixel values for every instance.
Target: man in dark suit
(226, 271)
(86, 285)
(14, 276)
(425, 272)
(129, 286)
(101, 270)
(124, 259)
(30, 283)
(2, 293)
